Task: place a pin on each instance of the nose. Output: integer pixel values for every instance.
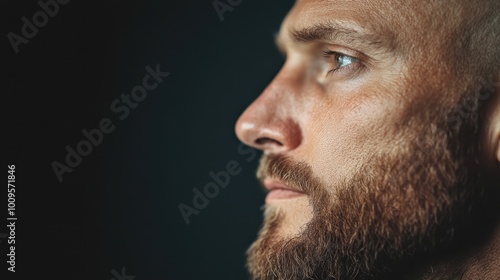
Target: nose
(271, 122)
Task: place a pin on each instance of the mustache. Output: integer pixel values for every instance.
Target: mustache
(296, 174)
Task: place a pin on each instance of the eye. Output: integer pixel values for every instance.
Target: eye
(342, 60)
(339, 60)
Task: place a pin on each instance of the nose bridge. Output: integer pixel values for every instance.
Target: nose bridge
(280, 96)
(270, 122)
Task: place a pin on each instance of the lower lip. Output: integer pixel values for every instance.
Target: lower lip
(282, 194)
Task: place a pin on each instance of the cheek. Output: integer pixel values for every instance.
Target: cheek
(345, 132)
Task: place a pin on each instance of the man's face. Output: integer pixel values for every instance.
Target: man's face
(359, 152)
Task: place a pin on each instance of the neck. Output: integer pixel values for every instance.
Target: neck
(483, 263)
(474, 256)
(480, 260)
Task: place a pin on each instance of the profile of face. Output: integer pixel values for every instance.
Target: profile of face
(380, 136)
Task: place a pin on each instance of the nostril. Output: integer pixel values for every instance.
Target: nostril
(263, 141)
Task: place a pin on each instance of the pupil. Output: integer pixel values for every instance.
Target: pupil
(341, 60)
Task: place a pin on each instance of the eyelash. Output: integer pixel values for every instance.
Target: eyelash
(352, 67)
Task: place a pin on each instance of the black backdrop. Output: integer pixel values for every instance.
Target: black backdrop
(117, 211)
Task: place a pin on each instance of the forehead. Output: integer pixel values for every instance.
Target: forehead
(367, 14)
(409, 22)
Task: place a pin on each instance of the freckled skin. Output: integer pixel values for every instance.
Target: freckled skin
(338, 122)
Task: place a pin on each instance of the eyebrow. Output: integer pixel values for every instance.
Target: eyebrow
(346, 34)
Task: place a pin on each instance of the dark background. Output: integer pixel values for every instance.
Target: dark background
(119, 207)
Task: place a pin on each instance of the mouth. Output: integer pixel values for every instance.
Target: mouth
(277, 191)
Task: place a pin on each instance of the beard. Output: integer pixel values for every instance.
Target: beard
(402, 206)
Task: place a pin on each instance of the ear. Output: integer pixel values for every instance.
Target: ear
(491, 136)
(495, 121)
(496, 133)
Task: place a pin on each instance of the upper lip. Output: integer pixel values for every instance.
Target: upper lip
(271, 184)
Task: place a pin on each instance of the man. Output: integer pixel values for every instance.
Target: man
(381, 143)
